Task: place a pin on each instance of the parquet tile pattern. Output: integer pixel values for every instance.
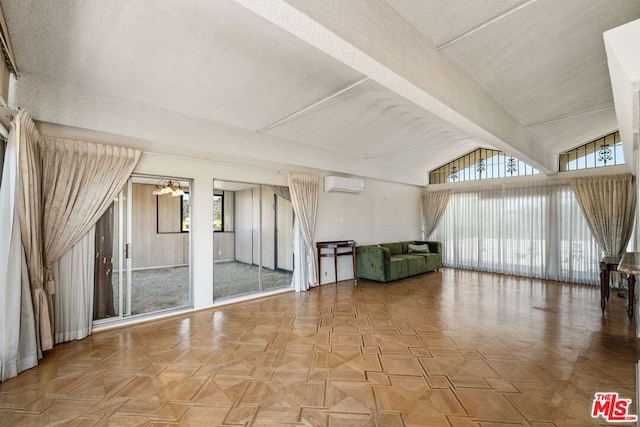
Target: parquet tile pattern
(452, 348)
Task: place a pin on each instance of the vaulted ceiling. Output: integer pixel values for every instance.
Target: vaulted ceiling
(384, 89)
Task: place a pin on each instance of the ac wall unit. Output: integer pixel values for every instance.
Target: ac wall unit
(341, 184)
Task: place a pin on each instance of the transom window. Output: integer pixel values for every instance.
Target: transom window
(605, 151)
(482, 163)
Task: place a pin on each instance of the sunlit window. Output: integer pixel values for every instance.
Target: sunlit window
(605, 151)
(185, 213)
(482, 163)
(218, 211)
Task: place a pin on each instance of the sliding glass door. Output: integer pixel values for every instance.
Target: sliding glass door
(142, 246)
(252, 239)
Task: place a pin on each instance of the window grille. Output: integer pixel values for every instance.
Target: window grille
(605, 151)
(482, 163)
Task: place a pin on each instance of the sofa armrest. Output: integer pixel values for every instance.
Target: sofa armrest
(373, 262)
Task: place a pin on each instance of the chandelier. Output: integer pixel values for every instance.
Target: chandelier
(172, 188)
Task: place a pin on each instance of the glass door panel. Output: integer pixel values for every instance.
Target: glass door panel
(277, 254)
(142, 246)
(252, 239)
(159, 245)
(236, 242)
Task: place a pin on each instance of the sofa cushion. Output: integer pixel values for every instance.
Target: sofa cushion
(418, 248)
(416, 264)
(395, 248)
(398, 268)
(433, 261)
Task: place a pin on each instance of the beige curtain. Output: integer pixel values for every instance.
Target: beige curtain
(80, 180)
(305, 190)
(30, 208)
(79, 183)
(65, 187)
(433, 204)
(608, 204)
(18, 344)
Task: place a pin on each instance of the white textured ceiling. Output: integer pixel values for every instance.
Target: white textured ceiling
(528, 77)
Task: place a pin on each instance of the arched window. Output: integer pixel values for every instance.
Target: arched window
(482, 163)
(605, 151)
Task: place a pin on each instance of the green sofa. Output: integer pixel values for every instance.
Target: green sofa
(392, 261)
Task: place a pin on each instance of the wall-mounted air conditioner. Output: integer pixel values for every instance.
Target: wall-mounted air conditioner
(342, 184)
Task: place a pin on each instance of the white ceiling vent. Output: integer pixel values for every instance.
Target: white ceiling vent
(341, 184)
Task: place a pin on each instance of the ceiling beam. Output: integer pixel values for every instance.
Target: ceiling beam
(372, 38)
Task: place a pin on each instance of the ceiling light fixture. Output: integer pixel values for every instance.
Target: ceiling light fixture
(172, 188)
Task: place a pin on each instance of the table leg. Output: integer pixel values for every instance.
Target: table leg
(604, 281)
(632, 290)
(355, 268)
(319, 265)
(335, 262)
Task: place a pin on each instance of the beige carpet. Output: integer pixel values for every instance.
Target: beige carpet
(168, 288)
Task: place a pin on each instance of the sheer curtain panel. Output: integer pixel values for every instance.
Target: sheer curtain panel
(18, 347)
(534, 231)
(305, 190)
(73, 301)
(433, 205)
(609, 205)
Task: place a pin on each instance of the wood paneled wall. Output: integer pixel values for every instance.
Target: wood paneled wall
(149, 248)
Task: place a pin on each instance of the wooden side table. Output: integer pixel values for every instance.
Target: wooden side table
(335, 249)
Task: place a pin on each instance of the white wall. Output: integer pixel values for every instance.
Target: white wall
(384, 212)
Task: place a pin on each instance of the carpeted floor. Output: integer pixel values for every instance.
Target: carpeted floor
(165, 288)
(233, 278)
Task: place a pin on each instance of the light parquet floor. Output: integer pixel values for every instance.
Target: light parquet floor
(452, 348)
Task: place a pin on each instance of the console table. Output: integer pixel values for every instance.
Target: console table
(335, 249)
(607, 265)
(630, 264)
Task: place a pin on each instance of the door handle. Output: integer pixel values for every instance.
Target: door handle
(127, 250)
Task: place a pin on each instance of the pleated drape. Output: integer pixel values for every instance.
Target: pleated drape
(305, 191)
(609, 204)
(80, 181)
(18, 344)
(64, 188)
(433, 204)
(30, 207)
